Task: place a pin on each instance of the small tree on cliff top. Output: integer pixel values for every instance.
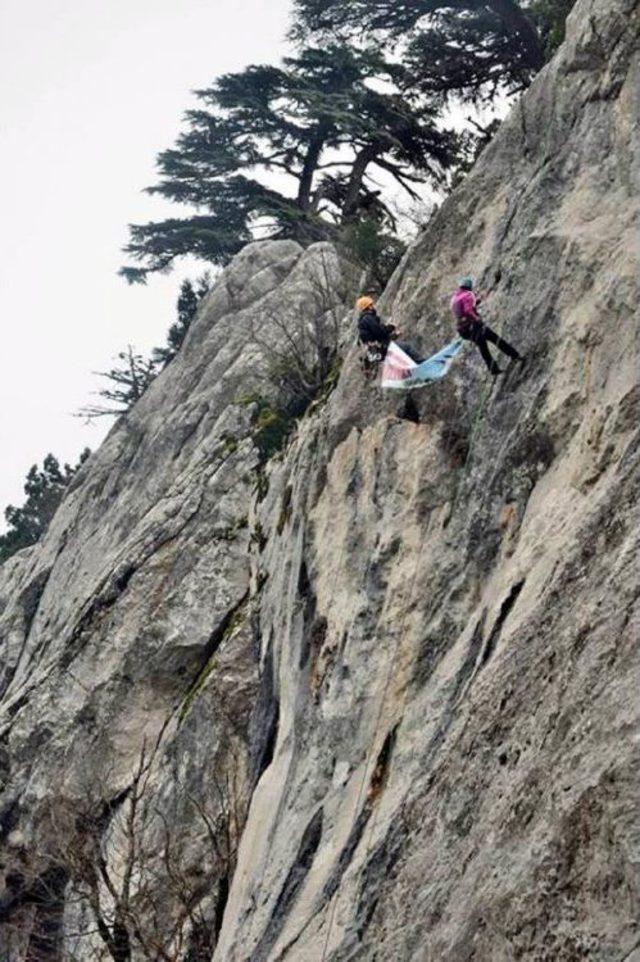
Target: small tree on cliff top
(187, 307)
(127, 382)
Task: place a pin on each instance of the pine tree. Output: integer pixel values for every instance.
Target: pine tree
(187, 308)
(550, 17)
(129, 380)
(468, 48)
(44, 489)
(127, 384)
(323, 119)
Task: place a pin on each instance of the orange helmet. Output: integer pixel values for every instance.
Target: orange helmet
(364, 303)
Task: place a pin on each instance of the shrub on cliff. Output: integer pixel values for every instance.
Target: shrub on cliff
(373, 248)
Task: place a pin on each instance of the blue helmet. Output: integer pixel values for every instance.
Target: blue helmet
(467, 283)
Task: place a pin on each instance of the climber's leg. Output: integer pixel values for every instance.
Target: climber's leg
(501, 344)
(487, 357)
(409, 410)
(475, 332)
(412, 353)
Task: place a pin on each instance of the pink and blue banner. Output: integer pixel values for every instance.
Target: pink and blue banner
(400, 373)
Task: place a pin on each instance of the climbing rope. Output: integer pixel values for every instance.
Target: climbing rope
(532, 395)
(475, 425)
(367, 762)
(394, 649)
(391, 658)
(392, 655)
(482, 406)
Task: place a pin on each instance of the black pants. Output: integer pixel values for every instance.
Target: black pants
(480, 334)
(410, 351)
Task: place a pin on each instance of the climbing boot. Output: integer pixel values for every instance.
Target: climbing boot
(409, 411)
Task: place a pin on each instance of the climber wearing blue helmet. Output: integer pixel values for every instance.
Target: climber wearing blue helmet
(471, 327)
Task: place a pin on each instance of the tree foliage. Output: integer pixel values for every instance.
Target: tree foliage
(468, 48)
(550, 17)
(375, 249)
(322, 122)
(291, 150)
(187, 307)
(44, 489)
(128, 380)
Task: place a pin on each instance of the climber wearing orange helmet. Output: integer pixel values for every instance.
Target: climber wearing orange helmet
(364, 303)
(373, 331)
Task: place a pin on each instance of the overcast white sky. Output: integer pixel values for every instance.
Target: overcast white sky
(91, 91)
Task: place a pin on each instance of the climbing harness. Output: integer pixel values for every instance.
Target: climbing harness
(371, 360)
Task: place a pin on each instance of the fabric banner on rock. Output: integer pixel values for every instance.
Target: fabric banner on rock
(397, 367)
(399, 372)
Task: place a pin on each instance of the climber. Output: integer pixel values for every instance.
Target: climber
(375, 334)
(471, 327)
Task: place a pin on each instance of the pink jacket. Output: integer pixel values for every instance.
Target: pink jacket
(463, 305)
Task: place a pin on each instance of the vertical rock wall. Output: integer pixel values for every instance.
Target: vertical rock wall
(374, 697)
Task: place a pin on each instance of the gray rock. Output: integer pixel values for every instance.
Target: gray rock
(377, 697)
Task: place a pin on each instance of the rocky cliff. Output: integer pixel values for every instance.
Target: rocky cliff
(374, 694)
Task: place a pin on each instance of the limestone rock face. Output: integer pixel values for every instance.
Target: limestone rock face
(374, 696)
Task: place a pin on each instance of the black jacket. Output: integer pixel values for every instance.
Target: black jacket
(372, 330)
